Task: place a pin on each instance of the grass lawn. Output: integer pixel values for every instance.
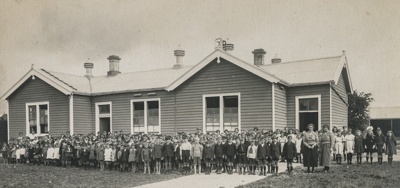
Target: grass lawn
(49, 176)
(364, 175)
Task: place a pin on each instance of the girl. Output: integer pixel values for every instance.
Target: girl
(339, 147)
(282, 140)
(50, 154)
(358, 146)
(390, 146)
(380, 144)
(369, 142)
(132, 157)
(108, 155)
(44, 154)
(56, 154)
(297, 141)
(146, 156)
(92, 156)
(252, 155)
(4, 153)
(349, 146)
(157, 155)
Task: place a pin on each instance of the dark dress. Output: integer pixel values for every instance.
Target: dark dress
(391, 146)
(379, 141)
(369, 143)
(358, 144)
(310, 155)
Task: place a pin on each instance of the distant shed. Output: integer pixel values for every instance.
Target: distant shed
(387, 118)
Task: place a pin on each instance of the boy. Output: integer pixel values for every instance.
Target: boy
(275, 154)
(262, 156)
(289, 152)
(185, 154)
(241, 155)
(230, 155)
(197, 152)
(219, 155)
(208, 154)
(252, 155)
(168, 152)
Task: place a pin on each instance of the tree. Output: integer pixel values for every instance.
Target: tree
(359, 110)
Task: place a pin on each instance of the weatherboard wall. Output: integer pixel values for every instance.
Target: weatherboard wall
(220, 78)
(339, 103)
(280, 107)
(292, 92)
(83, 121)
(33, 91)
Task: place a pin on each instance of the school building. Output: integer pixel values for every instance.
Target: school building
(220, 92)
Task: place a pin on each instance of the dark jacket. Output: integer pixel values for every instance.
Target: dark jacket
(262, 151)
(157, 151)
(242, 149)
(379, 141)
(230, 149)
(219, 150)
(358, 144)
(208, 152)
(289, 150)
(168, 150)
(275, 150)
(84, 153)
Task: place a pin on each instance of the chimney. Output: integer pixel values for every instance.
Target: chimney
(114, 65)
(179, 58)
(259, 56)
(228, 47)
(88, 66)
(276, 59)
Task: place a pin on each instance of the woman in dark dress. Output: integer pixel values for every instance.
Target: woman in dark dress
(310, 148)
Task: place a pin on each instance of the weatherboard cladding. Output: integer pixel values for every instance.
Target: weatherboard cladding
(322, 90)
(38, 91)
(280, 107)
(220, 78)
(121, 109)
(339, 107)
(83, 122)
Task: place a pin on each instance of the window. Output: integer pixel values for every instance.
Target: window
(308, 111)
(221, 112)
(103, 117)
(146, 116)
(37, 118)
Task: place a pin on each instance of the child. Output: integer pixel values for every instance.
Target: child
(85, 156)
(349, 146)
(4, 153)
(219, 154)
(241, 155)
(146, 155)
(113, 158)
(92, 156)
(379, 145)
(262, 153)
(208, 153)
(369, 142)
(275, 153)
(252, 155)
(50, 154)
(132, 157)
(390, 147)
(177, 151)
(139, 160)
(168, 152)
(298, 141)
(56, 154)
(358, 146)
(289, 152)
(100, 157)
(339, 147)
(108, 155)
(197, 153)
(282, 140)
(185, 152)
(44, 154)
(157, 154)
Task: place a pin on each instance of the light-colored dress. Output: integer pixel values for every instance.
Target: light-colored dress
(50, 153)
(298, 144)
(56, 153)
(349, 143)
(339, 145)
(108, 154)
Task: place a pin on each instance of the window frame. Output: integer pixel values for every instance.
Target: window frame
(297, 110)
(98, 115)
(221, 110)
(37, 104)
(145, 112)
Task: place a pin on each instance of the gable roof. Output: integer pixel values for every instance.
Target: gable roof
(291, 74)
(312, 71)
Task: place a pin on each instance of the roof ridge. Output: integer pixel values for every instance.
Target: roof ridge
(297, 61)
(58, 79)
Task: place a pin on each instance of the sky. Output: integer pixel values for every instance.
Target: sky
(61, 35)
